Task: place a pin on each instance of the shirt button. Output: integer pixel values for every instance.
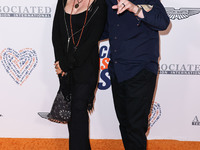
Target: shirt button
(117, 25)
(115, 50)
(115, 62)
(115, 37)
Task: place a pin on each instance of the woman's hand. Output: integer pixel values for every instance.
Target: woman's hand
(58, 69)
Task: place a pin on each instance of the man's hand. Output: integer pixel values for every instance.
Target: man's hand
(124, 5)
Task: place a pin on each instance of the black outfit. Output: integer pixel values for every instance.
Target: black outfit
(132, 99)
(134, 42)
(82, 64)
(134, 46)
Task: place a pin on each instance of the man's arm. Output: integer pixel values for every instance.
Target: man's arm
(153, 13)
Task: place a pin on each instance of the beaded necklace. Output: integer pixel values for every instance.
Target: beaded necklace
(76, 44)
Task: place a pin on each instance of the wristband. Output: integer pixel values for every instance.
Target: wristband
(138, 11)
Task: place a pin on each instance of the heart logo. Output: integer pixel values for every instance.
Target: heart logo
(155, 114)
(19, 65)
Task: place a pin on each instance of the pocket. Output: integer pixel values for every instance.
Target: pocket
(143, 76)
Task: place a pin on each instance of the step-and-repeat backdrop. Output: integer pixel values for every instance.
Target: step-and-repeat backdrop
(28, 83)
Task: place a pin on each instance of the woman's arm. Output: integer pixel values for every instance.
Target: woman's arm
(56, 33)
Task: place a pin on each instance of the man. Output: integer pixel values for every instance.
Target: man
(133, 27)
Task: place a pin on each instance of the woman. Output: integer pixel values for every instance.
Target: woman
(77, 28)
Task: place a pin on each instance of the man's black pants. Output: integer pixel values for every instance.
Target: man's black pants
(132, 100)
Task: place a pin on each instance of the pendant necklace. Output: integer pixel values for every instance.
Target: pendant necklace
(77, 4)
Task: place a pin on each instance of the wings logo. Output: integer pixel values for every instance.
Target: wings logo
(181, 13)
(19, 65)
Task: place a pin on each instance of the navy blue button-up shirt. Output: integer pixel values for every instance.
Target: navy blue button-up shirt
(134, 42)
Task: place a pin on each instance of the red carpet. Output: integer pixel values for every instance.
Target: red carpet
(62, 144)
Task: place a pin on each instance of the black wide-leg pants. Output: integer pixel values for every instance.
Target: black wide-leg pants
(132, 100)
(79, 124)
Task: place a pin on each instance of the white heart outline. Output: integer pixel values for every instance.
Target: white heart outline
(19, 65)
(155, 114)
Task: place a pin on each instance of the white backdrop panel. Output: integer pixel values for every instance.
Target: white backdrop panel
(177, 96)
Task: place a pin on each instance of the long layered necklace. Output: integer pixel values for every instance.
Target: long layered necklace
(76, 44)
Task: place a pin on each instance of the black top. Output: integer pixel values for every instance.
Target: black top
(134, 42)
(84, 62)
(77, 24)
